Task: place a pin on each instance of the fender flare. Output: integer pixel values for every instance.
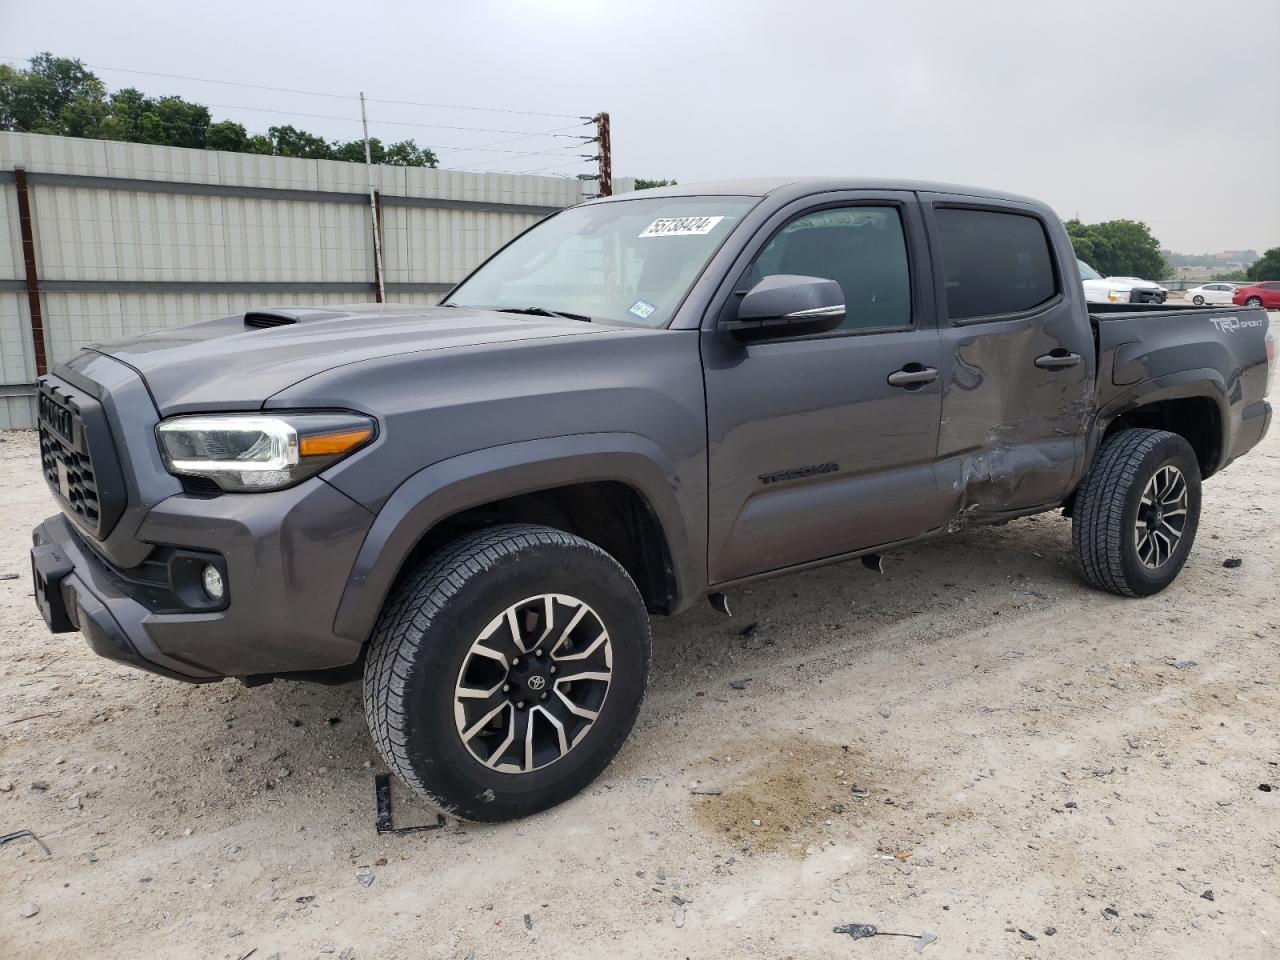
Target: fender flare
(450, 486)
(1205, 383)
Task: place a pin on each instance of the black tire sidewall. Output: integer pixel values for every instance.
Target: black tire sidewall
(1172, 451)
(450, 774)
(1198, 301)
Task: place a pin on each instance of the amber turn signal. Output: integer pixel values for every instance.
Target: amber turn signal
(328, 444)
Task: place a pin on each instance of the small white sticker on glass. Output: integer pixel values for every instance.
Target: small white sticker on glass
(681, 227)
(642, 309)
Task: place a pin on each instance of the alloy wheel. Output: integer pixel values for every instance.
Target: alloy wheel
(533, 683)
(1162, 517)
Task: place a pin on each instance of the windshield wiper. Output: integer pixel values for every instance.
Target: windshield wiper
(544, 312)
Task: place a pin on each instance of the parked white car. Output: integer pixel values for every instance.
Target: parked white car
(1211, 293)
(1100, 289)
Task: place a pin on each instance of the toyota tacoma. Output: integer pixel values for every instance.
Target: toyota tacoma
(639, 402)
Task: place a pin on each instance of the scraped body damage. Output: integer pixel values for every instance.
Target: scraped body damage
(1011, 435)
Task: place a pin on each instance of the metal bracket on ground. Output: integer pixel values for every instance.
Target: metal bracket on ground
(382, 800)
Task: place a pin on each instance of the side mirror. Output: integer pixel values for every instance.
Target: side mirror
(786, 305)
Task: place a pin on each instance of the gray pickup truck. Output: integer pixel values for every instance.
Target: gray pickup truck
(640, 402)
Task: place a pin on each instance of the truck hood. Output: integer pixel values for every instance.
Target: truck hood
(238, 362)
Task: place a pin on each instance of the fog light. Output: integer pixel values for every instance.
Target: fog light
(213, 584)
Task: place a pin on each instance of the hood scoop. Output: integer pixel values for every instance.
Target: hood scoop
(284, 317)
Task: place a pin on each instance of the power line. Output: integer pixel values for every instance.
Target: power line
(394, 123)
(314, 93)
(554, 166)
(528, 136)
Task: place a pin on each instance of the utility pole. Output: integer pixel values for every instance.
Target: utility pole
(381, 293)
(605, 157)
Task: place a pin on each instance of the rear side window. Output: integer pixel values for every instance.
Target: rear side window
(994, 263)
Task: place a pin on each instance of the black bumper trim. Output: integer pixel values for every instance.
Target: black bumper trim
(73, 592)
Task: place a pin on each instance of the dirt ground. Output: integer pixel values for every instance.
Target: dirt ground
(974, 744)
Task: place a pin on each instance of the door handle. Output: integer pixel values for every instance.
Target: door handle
(913, 375)
(1058, 359)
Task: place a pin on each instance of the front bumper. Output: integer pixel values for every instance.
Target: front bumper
(287, 557)
(74, 591)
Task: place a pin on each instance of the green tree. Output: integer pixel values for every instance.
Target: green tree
(260, 143)
(1268, 268)
(34, 99)
(289, 141)
(1118, 248)
(55, 95)
(173, 122)
(406, 153)
(227, 135)
(642, 184)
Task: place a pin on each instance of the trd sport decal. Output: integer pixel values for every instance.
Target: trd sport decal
(796, 473)
(1232, 324)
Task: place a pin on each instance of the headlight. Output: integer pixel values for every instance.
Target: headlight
(244, 453)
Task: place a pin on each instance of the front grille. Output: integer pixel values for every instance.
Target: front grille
(78, 456)
(64, 455)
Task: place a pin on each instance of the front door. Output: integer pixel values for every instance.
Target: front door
(824, 445)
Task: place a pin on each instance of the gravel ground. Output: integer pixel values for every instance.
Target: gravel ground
(974, 744)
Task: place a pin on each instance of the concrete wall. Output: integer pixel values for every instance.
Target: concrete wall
(131, 238)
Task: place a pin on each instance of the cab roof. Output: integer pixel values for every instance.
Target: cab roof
(791, 187)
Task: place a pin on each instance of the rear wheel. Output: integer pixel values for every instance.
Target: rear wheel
(1253, 302)
(507, 670)
(1198, 300)
(1136, 513)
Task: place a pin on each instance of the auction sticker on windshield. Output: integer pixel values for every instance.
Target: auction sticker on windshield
(641, 308)
(681, 227)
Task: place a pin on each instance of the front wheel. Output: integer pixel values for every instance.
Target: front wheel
(1136, 513)
(1198, 300)
(506, 671)
(1253, 302)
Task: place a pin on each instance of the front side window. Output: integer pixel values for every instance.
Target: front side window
(994, 263)
(861, 248)
(628, 261)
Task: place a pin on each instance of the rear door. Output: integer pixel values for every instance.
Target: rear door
(813, 452)
(1018, 354)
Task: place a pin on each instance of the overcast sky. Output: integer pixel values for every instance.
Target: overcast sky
(1159, 110)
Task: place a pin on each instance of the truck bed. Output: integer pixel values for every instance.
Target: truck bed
(1152, 353)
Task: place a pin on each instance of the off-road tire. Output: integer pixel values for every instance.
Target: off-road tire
(424, 635)
(1106, 510)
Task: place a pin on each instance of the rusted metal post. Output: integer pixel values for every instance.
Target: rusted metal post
(606, 154)
(29, 264)
(374, 209)
(378, 245)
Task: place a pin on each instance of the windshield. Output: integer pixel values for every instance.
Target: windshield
(630, 261)
(1087, 272)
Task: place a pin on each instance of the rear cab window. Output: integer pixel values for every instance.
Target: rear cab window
(994, 263)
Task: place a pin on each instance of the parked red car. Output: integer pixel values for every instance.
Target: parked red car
(1265, 293)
